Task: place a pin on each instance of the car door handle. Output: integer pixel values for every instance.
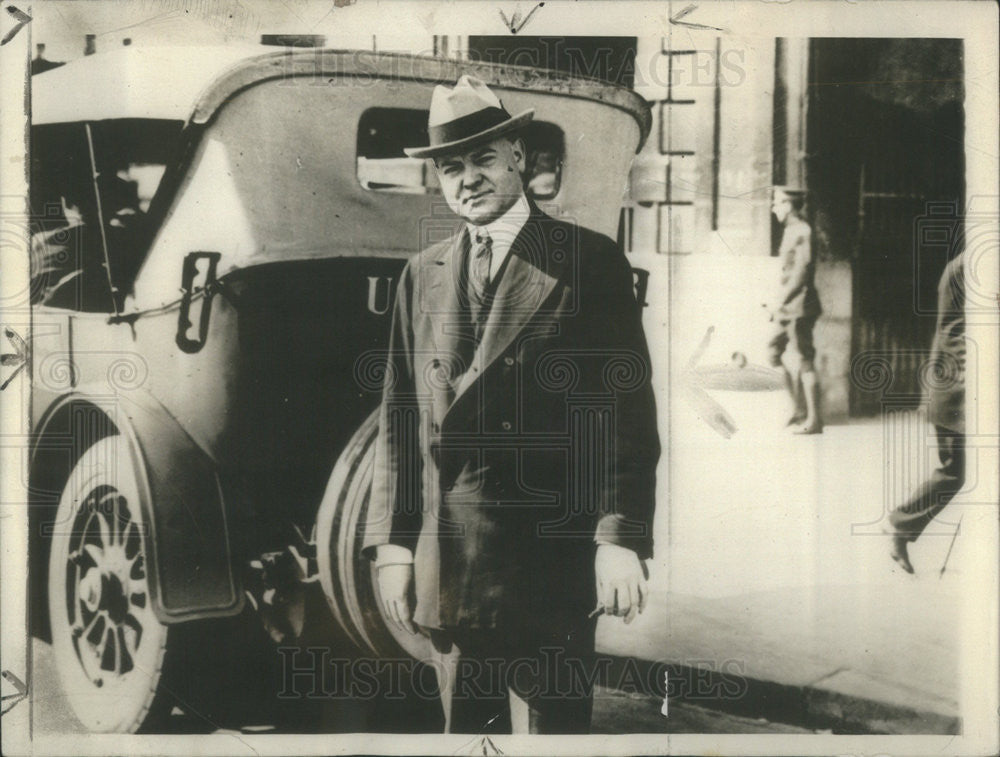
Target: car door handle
(197, 289)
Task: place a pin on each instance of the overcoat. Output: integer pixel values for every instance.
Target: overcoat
(501, 462)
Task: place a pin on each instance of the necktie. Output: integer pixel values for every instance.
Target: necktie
(482, 259)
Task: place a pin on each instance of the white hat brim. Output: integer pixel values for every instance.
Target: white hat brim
(433, 151)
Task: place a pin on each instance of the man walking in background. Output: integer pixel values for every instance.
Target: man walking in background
(945, 411)
(795, 311)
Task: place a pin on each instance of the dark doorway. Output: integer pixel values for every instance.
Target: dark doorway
(885, 152)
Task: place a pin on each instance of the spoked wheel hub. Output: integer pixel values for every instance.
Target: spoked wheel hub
(106, 591)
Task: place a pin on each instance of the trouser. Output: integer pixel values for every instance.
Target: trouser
(796, 333)
(930, 498)
(503, 681)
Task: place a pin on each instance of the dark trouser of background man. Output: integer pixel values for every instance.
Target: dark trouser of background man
(911, 518)
(946, 411)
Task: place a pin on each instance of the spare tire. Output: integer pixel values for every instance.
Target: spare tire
(348, 578)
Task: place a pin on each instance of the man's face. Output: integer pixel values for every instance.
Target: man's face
(781, 206)
(482, 184)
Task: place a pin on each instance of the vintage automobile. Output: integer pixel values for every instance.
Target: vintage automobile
(217, 237)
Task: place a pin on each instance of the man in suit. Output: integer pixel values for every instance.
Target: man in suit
(515, 465)
(795, 311)
(945, 411)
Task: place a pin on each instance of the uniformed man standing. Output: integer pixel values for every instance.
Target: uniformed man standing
(795, 310)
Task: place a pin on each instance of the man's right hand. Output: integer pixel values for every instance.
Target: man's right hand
(394, 588)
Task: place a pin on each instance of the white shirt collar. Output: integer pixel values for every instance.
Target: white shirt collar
(503, 231)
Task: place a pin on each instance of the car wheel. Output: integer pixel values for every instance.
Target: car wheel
(108, 644)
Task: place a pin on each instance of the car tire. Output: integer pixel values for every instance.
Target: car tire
(109, 647)
(347, 577)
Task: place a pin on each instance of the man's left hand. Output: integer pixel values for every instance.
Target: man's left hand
(621, 581)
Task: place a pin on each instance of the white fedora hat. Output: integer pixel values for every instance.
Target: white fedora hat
(465, 115)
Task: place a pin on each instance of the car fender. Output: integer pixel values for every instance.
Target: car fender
(189, 557)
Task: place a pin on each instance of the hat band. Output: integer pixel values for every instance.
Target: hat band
(467, 126)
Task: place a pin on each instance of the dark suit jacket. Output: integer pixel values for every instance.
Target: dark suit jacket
(946, 385)
(500, 464)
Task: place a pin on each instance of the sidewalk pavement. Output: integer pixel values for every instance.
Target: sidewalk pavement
(773, 594)
(782, 656)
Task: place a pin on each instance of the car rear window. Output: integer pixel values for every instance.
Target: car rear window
(384, 167)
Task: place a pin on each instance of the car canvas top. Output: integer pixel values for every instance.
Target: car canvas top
(172, 83)
(133, 82)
